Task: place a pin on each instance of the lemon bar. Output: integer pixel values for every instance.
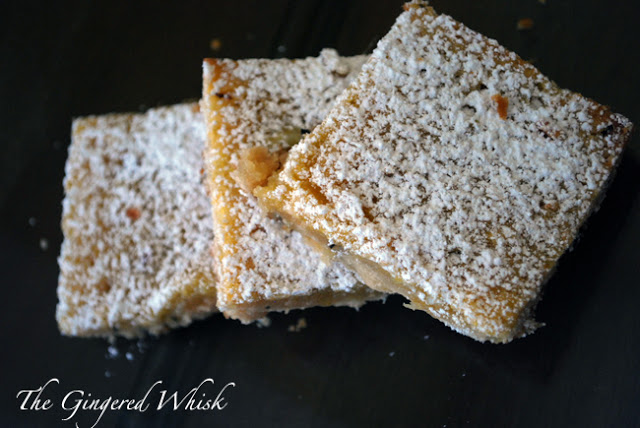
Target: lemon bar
(136, 255)
(452, 172)
(255, 110)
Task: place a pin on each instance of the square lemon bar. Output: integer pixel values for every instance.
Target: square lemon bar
(255, 110)
(136, 255)
(452, 172)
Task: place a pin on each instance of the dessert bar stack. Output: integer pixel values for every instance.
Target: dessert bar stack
(443, 168)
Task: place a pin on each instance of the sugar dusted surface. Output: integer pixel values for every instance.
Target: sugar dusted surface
(415, 170)
(136, 219)
(266, 103)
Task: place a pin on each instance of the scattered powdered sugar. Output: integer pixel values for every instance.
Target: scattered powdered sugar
(298, 326)
(136, 220)
(112, 351)
(129, 351)
(142, 346)
(274, 102)
(44, 244)
(421, 175)
(263, 322)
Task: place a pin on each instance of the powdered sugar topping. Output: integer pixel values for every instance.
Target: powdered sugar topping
(136, 224)
(277, 101)
(420, 174)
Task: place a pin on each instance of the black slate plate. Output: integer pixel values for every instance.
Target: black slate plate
(382, 366)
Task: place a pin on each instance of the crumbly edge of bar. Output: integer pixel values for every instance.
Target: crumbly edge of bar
(248, 313)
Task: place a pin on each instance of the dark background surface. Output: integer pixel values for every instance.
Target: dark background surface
(382, 366)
